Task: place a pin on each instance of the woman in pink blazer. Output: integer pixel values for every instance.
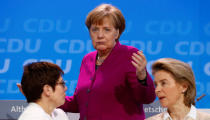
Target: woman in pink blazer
(113, 82)
(175, 88)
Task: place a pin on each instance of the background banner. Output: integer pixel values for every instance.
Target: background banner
(55, 31)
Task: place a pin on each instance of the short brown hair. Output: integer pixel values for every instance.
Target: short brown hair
(36, 75)
(182, 73)
(106, 10)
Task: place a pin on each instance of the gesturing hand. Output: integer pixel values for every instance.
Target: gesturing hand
(139, 62)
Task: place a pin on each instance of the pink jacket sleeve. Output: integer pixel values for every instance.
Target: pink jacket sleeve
(70, 104)
(141, 93)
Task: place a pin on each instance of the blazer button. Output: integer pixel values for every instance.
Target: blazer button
(85, 118)
(88, 90)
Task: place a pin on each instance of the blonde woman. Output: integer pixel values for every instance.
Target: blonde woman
(176, 90)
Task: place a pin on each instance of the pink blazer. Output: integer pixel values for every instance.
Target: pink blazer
(112, 92)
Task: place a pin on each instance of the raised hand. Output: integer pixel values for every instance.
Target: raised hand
(139, 62)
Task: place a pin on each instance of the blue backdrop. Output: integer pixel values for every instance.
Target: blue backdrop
(46, 30)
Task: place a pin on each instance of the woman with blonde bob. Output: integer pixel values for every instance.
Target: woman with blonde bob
(176, 90)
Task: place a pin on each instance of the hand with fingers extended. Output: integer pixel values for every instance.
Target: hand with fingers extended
(139, 62)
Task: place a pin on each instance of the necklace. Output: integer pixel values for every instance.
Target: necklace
(100, 59)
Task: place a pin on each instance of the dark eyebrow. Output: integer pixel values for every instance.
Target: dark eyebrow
(109, 27)
(61, 80)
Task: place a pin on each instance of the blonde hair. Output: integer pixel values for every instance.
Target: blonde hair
(182, 73)
(102, 11)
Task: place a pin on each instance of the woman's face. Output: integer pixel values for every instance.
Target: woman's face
(167, 90)
(104, 36)
(59, 94)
